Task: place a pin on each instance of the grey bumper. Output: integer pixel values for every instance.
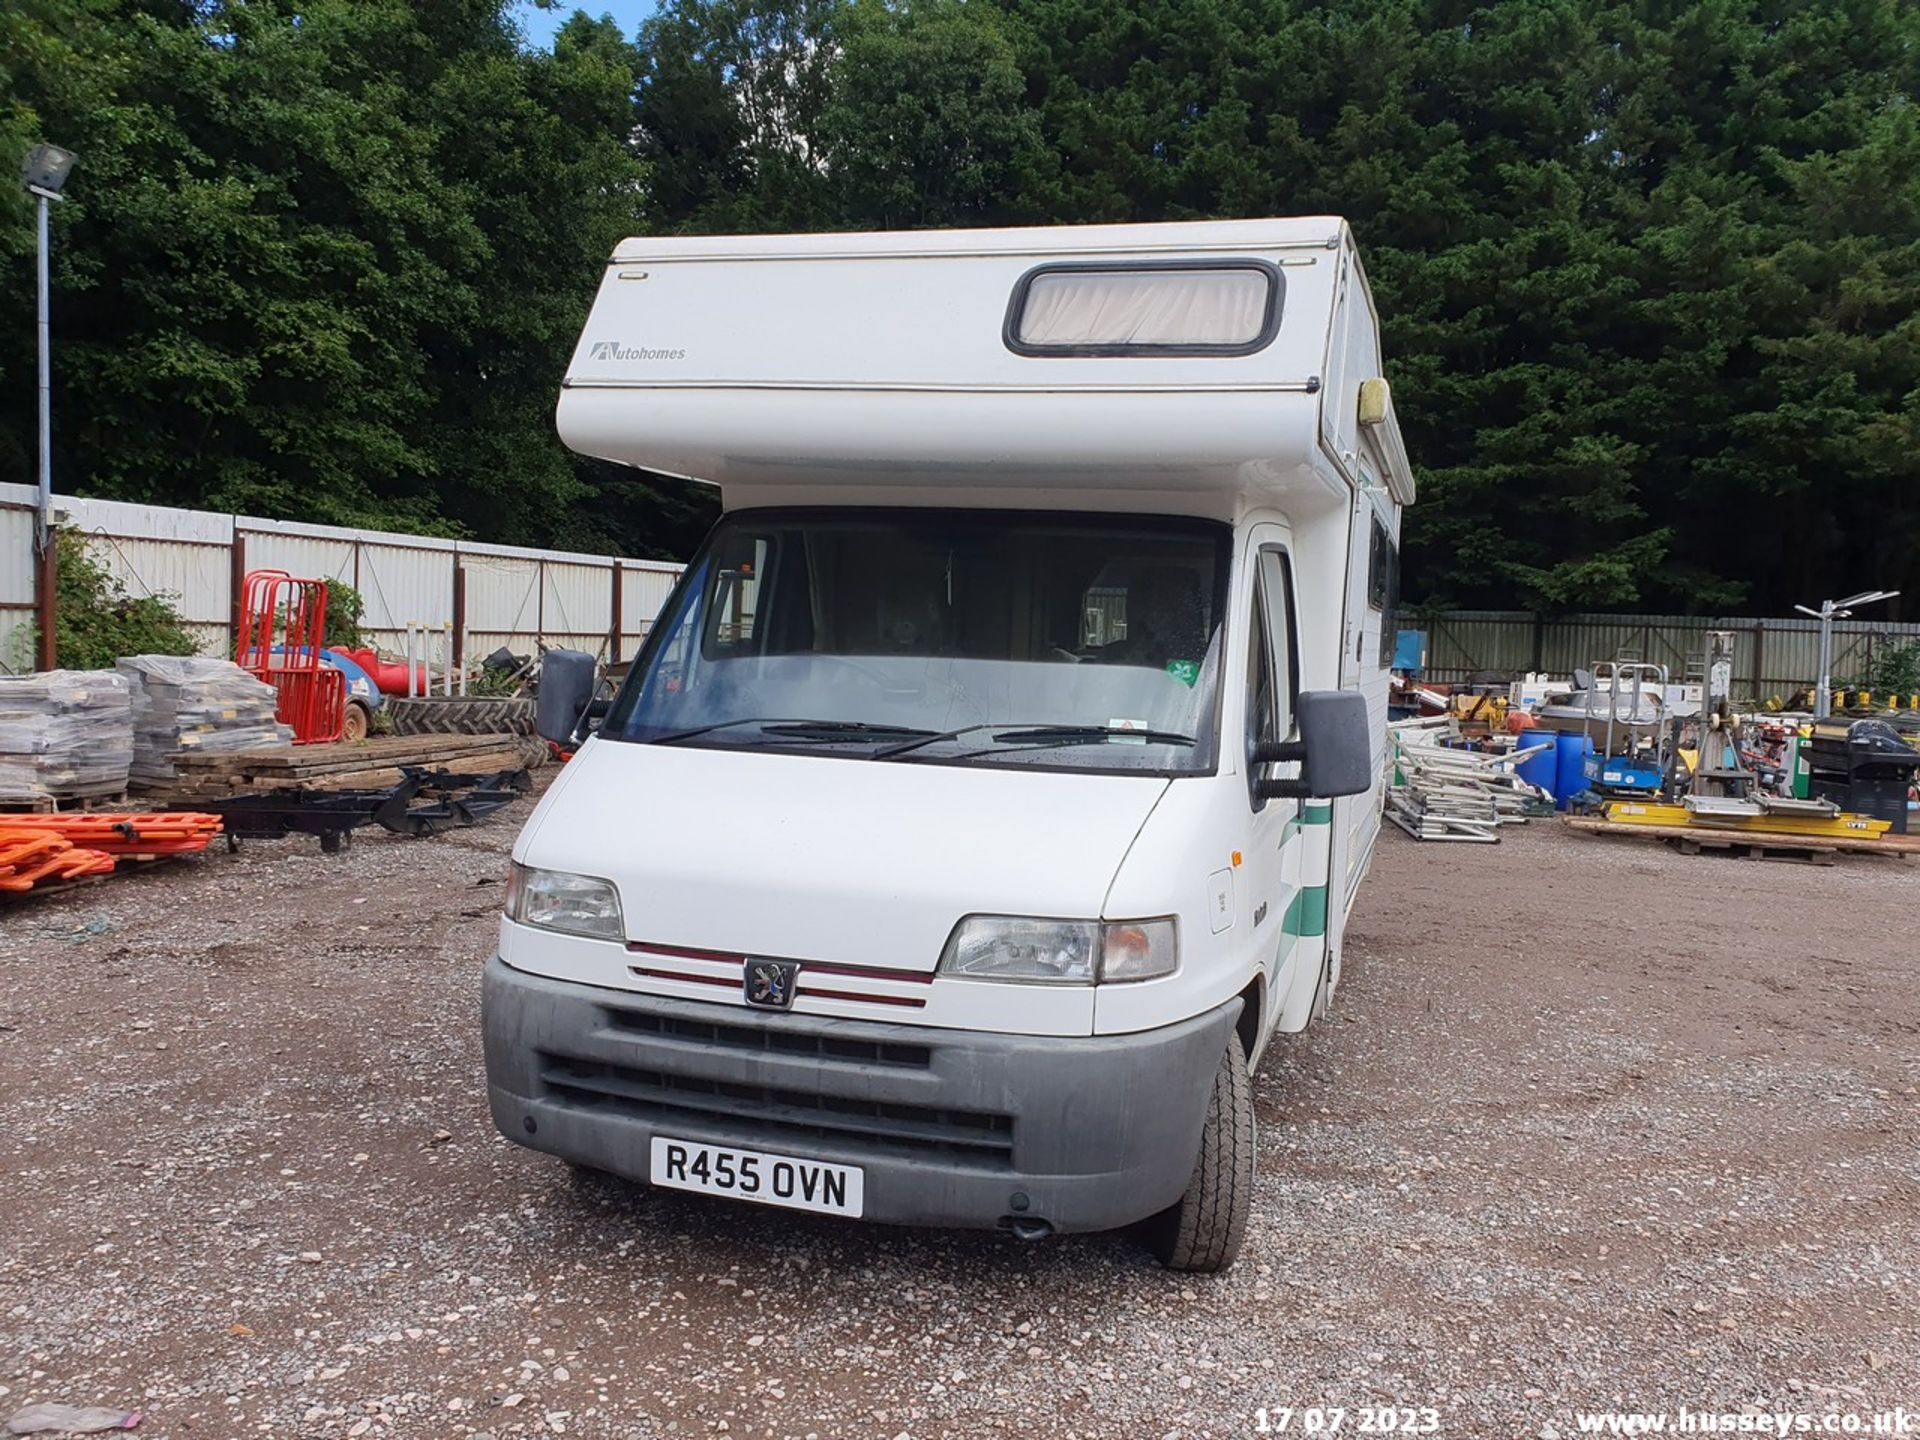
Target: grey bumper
(951, 1127)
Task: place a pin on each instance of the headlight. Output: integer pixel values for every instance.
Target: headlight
(1060, 952)
(555, 900)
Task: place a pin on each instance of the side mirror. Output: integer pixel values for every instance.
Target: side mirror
(567, 681)
(1333, 750)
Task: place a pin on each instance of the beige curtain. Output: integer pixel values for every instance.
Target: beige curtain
(1144, 307)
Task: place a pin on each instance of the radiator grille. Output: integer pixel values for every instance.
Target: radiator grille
(770, 1040)
(846, 1122)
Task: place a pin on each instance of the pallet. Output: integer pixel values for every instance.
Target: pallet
(1753, 844)
(67, 804)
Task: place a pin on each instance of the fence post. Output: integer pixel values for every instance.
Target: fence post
(613, 620)
(459, 613)
(236, 587)
(1539, 642)
(46, 593)
(1759, 657)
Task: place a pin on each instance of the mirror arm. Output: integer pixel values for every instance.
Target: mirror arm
(1281, 789)
(1279, 752)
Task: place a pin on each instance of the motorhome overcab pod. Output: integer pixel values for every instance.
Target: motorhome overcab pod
(996, 783)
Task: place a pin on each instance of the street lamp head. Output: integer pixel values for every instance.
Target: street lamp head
(1867, 597)
(46, 169)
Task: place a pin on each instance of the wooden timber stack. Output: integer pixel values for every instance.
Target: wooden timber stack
(348, 765)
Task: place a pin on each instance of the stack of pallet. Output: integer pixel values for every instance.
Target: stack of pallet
(64, 735)
(193, 705)
(364, 764)
(1439, 790)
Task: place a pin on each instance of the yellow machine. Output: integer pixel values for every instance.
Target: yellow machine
(1654, 812)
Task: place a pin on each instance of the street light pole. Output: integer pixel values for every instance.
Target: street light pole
(44, 172)
(43, 530)
(1829, 611)
(1823, 697)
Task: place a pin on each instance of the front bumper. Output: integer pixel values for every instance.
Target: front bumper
(950, 1126)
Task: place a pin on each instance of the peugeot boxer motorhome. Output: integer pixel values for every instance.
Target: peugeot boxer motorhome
(993, 790)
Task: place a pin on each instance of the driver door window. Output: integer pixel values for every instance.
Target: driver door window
(1276, 599)
(1271, 685)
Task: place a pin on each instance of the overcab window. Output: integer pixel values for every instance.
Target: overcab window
(1193, 307)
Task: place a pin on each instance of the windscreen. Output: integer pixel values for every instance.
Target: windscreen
(971, 637)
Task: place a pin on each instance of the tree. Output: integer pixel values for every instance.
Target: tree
(728, 113)
(325, 263)
(1649, 269)
(928, 123)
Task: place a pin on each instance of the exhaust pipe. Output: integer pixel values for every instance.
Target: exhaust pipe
(1027, 1227)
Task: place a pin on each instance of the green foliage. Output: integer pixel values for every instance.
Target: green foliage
(1893, 670)
(1650, 272)
(491, 684)
(97, 621)
(927, 124)
(324, 262)
(345, 609)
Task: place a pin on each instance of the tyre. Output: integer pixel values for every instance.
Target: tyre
(460, 715)
(358, 723)
(1201, 1232)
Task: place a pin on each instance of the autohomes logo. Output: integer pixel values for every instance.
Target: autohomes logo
(614, 350)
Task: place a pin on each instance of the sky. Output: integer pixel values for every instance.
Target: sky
(540, 25)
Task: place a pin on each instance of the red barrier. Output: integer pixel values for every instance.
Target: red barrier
(283, 626)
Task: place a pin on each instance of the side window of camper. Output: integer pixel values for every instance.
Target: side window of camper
(1168, 307)
(1383, 587)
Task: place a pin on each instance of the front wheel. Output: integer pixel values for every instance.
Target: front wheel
(1202, 1231)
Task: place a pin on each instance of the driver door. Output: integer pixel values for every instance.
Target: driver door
(1274, 850)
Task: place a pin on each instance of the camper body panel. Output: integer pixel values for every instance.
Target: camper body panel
(886, 380)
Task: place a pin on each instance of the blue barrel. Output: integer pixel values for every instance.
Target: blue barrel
(1569, 757)
(1542, 769)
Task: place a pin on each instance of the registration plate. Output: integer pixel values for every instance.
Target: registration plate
(758, 1176)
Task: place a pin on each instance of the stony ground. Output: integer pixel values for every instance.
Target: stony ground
(1593, 1126)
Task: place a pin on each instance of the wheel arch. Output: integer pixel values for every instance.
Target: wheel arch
(1251, 1024)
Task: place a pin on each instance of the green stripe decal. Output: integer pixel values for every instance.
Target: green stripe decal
(1319, 813)
(1307, 914)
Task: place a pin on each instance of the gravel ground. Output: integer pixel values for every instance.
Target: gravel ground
(1592, 1126)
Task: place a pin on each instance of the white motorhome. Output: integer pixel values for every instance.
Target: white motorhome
(993, 790)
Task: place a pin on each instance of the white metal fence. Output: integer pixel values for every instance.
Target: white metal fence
(502, 595)
(496, 595)
(1771, 656)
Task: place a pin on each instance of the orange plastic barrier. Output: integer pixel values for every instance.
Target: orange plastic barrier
(174, 833)
(31, 855)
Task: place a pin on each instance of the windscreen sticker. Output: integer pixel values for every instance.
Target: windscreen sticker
(1187, 672)
(1121, 723)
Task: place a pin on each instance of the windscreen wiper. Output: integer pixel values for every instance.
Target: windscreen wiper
(1010, 733)
(1087, 734)
(842, 730)
(798, 729)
